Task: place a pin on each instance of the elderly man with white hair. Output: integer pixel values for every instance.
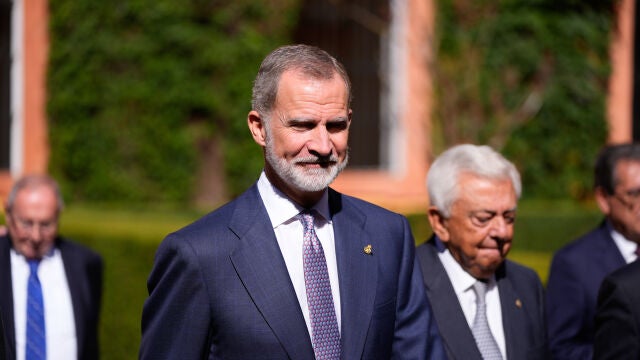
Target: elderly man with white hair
(486, 307)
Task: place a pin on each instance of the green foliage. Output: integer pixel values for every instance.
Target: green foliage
(528, 77)
(134, 87)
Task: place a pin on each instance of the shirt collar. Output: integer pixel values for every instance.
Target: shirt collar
(281, 209)
(460, 279)
(626, 246)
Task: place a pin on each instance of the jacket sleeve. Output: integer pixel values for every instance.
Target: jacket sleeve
(176, 315)
(416, 332)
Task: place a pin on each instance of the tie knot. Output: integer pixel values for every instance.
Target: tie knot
(307, 219)
(33, 265)
(481, 289)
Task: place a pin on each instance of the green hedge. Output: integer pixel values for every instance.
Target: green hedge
(528, 77)
(128, 239)
(137, 89)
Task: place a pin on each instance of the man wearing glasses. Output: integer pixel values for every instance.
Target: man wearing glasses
(577, 270)
(50, 288)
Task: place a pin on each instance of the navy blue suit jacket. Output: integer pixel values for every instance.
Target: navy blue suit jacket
(220, 289)
(618, 315)
(3, 340)
(577, 270)
(83, 268)
(521, 298)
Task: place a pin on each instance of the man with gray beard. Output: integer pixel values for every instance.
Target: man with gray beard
(292, 269)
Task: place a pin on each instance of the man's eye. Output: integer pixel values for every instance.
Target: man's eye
(634, 194)
(482, 219)
(337, 126)
(302, 125)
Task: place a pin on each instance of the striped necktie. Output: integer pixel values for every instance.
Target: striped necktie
(36, 341)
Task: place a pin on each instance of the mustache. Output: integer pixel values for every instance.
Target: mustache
(324, 161)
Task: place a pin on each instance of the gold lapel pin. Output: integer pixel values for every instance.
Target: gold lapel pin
(518, 303)
(368, 249)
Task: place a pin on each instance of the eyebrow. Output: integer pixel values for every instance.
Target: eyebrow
(493, 212)
(303, 120)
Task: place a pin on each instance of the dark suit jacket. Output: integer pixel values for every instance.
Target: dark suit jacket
(3, 340)
(219, 289)
(83, 269)
(577, 270)
(521, 298)
(618, 315)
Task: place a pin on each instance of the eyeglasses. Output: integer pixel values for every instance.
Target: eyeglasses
(44, 227)
(629, 198)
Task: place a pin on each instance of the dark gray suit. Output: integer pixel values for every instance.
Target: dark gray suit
(220, 289)
(83, 269)
(521, 297)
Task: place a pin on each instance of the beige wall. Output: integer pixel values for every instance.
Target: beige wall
(35, 47)
(620, 99)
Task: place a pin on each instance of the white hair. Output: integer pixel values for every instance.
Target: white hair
(482, 161)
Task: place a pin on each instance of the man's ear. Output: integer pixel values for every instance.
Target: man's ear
(438, 223)
(257, 127)
(602, 199)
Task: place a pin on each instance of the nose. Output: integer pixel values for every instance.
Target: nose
(501, 228)
(320, 142)
(36, 233)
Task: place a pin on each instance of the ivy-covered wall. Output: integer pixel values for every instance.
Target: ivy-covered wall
(528, 77)
(145, 96)
(140, 90)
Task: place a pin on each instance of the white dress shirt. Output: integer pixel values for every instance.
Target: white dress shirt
(290, 232)
(59, 320)
(627, 247)
(463, 286)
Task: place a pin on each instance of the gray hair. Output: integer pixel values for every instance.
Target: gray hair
(483, 161)
(310, 60)
(31, 182)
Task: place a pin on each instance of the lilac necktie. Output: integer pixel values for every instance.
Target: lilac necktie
(325, 336)
(36, 341)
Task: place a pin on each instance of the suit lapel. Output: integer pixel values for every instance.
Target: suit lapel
(358, 274)
(259, 264)
(456, 335)
(513, 316)
(75, 283)
(6, 294)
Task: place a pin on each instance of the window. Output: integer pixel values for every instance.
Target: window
(354, 31)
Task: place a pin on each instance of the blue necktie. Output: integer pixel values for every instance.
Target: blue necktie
(325, 335)
(36, 341)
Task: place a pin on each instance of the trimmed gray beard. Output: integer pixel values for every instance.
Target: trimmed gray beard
(309, 180)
